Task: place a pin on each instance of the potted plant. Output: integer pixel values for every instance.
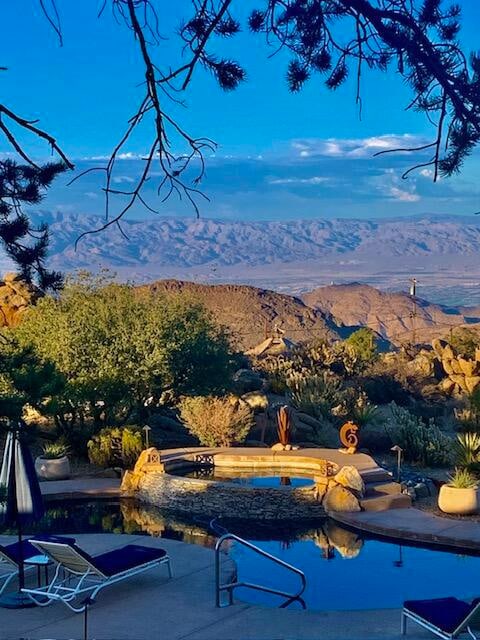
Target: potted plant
(53, 464)
(460, 494)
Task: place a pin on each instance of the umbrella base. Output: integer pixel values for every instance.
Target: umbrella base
(16, 600)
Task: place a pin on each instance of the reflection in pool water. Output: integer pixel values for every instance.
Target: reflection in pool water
(344, 570)
(267, 478)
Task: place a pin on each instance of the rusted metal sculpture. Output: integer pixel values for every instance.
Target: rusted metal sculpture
(348, 437)
(285, 425)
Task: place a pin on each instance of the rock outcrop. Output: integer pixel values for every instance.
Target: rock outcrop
(15, 298)
(457, 375)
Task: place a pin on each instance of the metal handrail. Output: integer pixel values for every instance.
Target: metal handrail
(229, 587)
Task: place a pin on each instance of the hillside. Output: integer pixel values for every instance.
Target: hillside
(390, 314)
(250, 312)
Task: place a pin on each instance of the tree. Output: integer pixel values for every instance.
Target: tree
(364, 344)
(120, 350)
(20, 185)
(333, 38)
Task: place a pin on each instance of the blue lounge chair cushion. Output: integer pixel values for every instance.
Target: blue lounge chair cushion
(447, 614)
(28, 550)
(128, 557)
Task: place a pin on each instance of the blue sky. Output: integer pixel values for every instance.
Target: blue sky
(279, 155)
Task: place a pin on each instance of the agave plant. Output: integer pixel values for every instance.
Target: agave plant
(462, 479)
(467, 449)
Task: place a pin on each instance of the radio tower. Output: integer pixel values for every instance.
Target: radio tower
(413, 314)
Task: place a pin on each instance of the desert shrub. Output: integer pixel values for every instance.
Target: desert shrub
(468, 418)
(422, 442)
(383, 388)
(464, 341)
(217, 421)
(318, 395)
(116, 447)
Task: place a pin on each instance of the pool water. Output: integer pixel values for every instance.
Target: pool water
(271, 478)
(344, 570)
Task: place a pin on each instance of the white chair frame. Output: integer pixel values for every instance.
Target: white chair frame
(76, 575)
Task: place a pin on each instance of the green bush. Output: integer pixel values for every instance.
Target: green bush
(116, 447)
(217, 422)
(422, 442)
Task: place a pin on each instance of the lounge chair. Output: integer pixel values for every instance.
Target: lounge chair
(79, 573)
(445, 617)
(10, 558)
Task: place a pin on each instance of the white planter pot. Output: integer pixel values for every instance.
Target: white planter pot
(57, 469)
(458, 501)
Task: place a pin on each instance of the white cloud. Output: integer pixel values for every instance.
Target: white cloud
(403, 196)
(121, 179)
(91, 194)
(354, 147)
(313, 180)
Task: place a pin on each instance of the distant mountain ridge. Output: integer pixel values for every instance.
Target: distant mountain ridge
(396, 316)
(186, 242)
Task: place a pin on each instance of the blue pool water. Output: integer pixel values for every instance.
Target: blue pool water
(344, 569)
(272, 479)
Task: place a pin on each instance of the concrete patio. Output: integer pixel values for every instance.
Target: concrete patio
(151, 606)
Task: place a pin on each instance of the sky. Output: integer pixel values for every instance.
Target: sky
(279, 155)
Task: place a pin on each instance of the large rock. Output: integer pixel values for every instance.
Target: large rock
(246, 380)
(15, 298)
(340, 499)
(350, 478)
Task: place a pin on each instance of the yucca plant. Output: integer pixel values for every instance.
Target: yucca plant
(55, 450)
(462, 479)
(467, 449)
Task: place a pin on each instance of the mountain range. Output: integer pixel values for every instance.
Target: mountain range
(185, 242)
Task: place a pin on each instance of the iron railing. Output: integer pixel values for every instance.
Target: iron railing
(229, 587)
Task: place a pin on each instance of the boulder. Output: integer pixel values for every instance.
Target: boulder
(278, 447)
(468, 367)
(471, 383)
(15, 298)
(447, 367)
(320, 491)
(246, 380)
(350, 478)
(340, 499)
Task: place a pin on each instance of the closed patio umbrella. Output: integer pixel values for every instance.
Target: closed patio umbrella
(21, 502)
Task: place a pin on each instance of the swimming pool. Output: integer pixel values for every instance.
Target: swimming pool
(344, 570)
(268, 479)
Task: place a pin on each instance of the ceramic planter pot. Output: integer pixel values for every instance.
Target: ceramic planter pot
(52, 469)
(459, 501)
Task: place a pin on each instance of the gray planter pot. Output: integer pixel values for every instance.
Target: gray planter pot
(56, 469)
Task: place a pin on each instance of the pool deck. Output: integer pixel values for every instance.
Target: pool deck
(416, 526)
(151, 606)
